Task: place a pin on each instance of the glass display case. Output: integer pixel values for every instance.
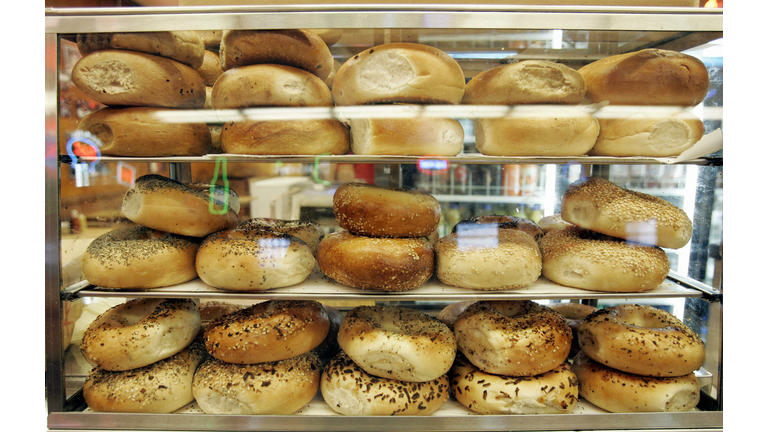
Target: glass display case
(85, 189)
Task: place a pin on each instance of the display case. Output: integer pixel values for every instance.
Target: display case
(84, 192)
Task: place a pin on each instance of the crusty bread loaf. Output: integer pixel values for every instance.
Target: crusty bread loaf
(210, 69)
(526, 82)
(288, 137)
(644, 134)
(298, 48)
(399, 73)
(647, 77)
(422, 136)
(269, 85)
(138, 131)
(117, 77)
(183, 46)
(561, 131)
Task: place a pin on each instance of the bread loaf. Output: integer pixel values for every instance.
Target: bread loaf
(526, 82)
(269, 85)
(298, 48)
(399, 73)
(183, 46)
(645, 134)
(413, 137)
(561, 131)
(647, 77)
(137, 131)
(115, 77)
(289, 137)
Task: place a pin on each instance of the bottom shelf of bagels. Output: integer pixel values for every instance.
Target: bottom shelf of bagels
(303, 357)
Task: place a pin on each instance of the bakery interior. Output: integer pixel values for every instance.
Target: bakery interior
(86, 192)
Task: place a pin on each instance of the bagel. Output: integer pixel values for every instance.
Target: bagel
(309, 231)
(421, 136)
(269, 85)
(273, 388)
(397, 343)
(372, 263)
(526, 82)
(268, 331)
(183, 46)
(210, 310)
(139, 257)
(503, 222)
(647, 77)
(210, 69)
(192, 210)
(449, 313)
(140, 332)
(161, 387)
(488, 258)
(301, 49)
(620, 392)
(641, 340)
(553, 392)
(249, 259)
(597, 204)
(377, 211)
(290, 137)
(350, 390)
(399, 73)
(552, 222)
(513, 337)
(585, 259)
(574, 313)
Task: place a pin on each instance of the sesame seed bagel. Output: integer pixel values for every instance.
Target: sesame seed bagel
(167, 205)
(139, 257)
(385, 264)
(488, 258)
(552, 222)
(621, 392)
(503, 222)
(641, 340)
(513, 337)
(377, 211)
(597, 204)
(585, 259)
(247, 259)
(397, 343)
(268, 331)
(271, 388)
(553, 392)
(140, 332)
(350, 390)
(309, 231)
(161, 387)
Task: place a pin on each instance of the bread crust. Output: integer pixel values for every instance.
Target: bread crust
(642, 134)
(183, 46)
(285, 137)
(412, 137)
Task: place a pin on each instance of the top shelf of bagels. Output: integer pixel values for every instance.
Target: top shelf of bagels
(482, 76)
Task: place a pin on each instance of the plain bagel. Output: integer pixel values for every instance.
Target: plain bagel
(183, 46)
(285, 137)
(140, 332)
(349, 390)
(161, 387)
(193, 210)
(621, 392)
(378, 211)
(397, 343)
(422, 136)
(373, 263)
(268, 331)
(139, 257)
(513, 337)
(599, 205)
(272, 388)
(553, 392)
(641, 340)
(586, 259)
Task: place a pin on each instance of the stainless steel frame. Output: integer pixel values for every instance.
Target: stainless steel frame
(685, 21)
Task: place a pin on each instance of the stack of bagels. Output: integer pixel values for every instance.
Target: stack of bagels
(145, 355)
(402, 73)
(384, 243)
(277, 68)
(136, 75)
(637, 358)
(393, 361)
(613, 238)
